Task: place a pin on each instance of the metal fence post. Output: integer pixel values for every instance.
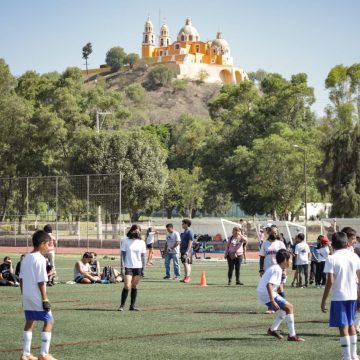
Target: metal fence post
(87, 210)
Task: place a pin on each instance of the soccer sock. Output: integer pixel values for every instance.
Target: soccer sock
(124, 295)
(345, 347)
(45, 343)
(291, 324)
(280, 316)
(27, 336)
(133, 295)
(353, 346)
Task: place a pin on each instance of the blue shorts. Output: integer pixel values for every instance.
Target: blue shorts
(45, 316)
(79, 278)
(279, 300)
(342, 313)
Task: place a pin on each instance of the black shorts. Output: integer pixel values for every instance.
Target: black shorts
(133, 272)
(150, 246)
(186, 259)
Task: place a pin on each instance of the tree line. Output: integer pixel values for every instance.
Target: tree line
(243, 152)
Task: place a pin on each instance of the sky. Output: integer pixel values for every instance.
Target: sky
(282, 36)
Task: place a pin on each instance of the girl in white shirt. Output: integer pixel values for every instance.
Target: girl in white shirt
(150, 239)
(132, 251)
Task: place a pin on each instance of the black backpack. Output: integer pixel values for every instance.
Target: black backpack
(108, 274)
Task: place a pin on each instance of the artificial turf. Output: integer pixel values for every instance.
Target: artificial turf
(177, 320)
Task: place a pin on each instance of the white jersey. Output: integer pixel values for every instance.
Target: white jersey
(83, 267)
(171, 240)
(324, 253)
(33, 272)
(150, 238)
(344, 265)
(302, 252)
(133, 248)
(273, 276)
(269, 250)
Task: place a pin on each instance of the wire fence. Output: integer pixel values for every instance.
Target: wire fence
(84, 210)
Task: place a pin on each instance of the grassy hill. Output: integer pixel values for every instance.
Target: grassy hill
(165, 104)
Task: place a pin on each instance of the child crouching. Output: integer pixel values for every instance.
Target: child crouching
(268, 285)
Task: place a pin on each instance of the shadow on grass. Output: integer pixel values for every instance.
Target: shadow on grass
(243, 338)
(211, 312)
(89, 309)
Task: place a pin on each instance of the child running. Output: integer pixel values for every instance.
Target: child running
(33, 279)
(268, 285)
(343, 268)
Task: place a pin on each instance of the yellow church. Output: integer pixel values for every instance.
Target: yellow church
(191, 58)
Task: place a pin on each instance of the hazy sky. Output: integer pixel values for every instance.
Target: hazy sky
(284, 36)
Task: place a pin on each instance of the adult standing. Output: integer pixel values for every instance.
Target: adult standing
(52, 246)
(172, 251)
(234, 254)
(133, 250)
(187, 238)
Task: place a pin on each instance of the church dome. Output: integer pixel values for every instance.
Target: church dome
(220, 43)
(188, 32)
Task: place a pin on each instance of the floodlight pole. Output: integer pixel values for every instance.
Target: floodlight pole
(305, 185)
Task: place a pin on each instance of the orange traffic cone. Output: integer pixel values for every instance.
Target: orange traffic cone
(203, 279)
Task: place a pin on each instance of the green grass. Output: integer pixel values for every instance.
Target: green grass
(177, 320)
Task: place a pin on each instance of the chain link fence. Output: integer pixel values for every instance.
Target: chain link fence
(84, 210)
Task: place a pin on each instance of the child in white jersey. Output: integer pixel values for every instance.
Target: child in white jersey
(342, 268)
(268, 285)
(302, 254)
(33, 279)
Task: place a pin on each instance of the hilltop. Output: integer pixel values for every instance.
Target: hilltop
(165, 104)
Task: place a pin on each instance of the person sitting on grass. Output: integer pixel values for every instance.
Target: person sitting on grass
(82, 271)
(7, 276)
(268, 285)
(50, 271)
(343, 276)
(95, 265)
(36, 305)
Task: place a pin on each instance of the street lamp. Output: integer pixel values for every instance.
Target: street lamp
(305, 181)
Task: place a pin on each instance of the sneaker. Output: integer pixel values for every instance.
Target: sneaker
(46, 357)
(269, 311)
(28, 357)
(177, 278)
(121, 308)
(295, 338)
(275, 333)
(132, 308)
(239, 283)
(229, 283)
(187, 279)
(355, 358)
(167, 277)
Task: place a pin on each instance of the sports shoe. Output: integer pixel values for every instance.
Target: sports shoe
(187, 279)
(167, 277)
(295, 338)
(229, 283)
(269, 311)
(177, 278)
(28, 357)
(121, 308)
(46, 357)
(132, 308)
(275, 333)
(239, 283)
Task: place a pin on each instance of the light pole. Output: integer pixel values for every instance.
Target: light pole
(305, 184)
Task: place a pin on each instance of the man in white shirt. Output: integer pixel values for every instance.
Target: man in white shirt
(343, 269)
(172, 250)
(302, 253)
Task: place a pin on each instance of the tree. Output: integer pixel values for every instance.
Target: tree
(135, 92)
(115, 58)
(339, 174)
(131, 59)
(86, 52)
(158, 76)
(137, 155)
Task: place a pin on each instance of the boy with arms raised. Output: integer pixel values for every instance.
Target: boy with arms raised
(268, 285)
(342, 268)
(33, 279)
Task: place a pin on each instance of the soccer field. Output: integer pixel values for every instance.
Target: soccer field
(177, 320)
